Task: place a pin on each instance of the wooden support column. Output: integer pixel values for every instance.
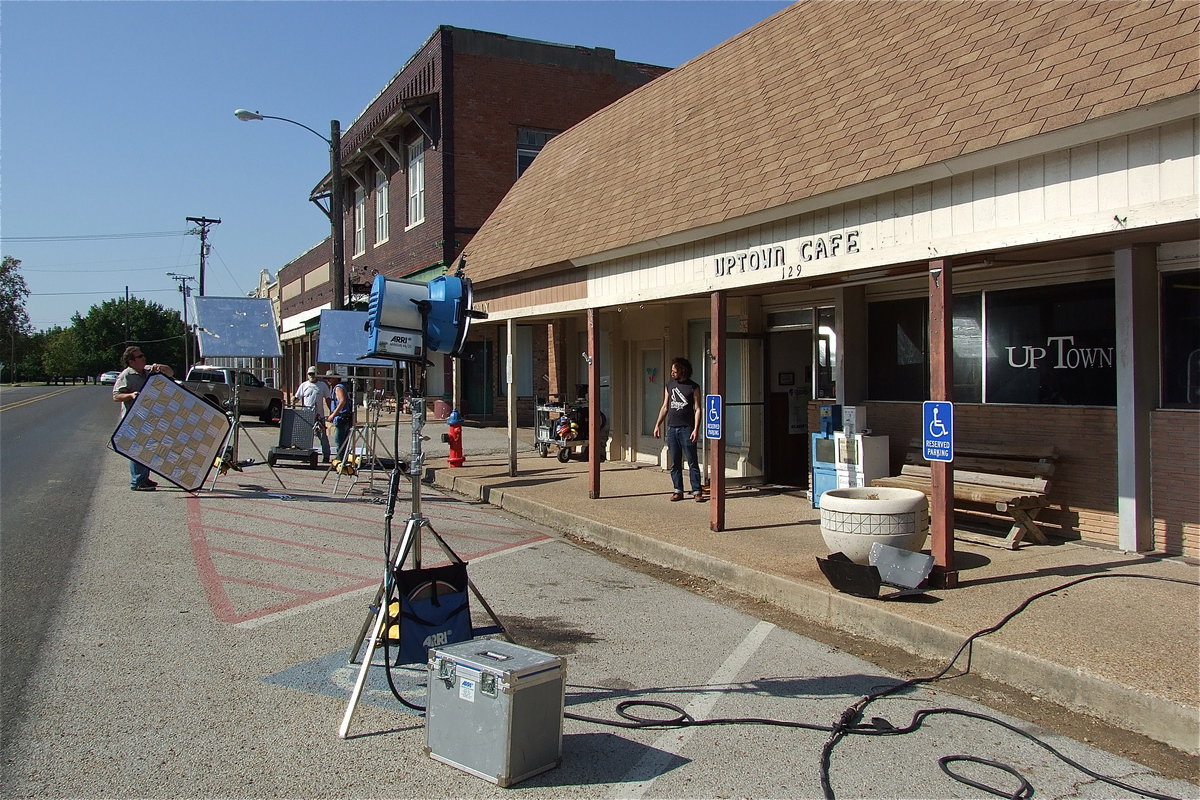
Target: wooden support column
(511, 397)
(593, 373)
(716, 450)
(941, 387)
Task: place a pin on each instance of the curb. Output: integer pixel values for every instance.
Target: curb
(1163, 720)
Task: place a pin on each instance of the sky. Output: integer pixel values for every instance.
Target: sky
(116, 123)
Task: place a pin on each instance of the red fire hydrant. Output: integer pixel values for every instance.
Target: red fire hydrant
(453, 435)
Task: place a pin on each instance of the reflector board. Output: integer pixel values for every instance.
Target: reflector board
(173, 432)
(228, 327)
(343, 340)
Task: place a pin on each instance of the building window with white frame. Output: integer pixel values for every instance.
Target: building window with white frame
(381, 207)
(530, 142)
(360, 221)
(416, 182)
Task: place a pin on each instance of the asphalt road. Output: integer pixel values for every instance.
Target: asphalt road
(49, 438)
(197, 646)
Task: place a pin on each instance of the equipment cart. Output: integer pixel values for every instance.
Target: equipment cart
(295, 437)
(563, 425)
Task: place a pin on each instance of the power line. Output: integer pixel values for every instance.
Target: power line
(92, 237)
(69, 294)
(90, 270)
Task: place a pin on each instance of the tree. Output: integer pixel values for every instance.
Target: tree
(14, 319)
(115, 324)
(63, 356)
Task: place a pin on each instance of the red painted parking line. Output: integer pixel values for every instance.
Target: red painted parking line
(211, 542)
(263, 585)
(292, 543)
(289, 520)
(282, 563)
(313, 597)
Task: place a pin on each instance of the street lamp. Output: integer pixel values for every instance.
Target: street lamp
(337, 244)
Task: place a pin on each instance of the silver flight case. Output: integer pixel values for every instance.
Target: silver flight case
(495, 709)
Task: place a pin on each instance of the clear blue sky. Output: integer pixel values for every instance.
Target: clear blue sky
(118, 119)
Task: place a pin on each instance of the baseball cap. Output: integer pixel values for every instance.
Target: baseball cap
(312, 370)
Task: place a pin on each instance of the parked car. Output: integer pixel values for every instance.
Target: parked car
(215, 385)
(110, 377)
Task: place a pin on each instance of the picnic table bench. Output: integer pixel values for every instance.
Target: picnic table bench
(989, 481)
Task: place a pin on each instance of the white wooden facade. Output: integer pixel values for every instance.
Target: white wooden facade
(1142, 179)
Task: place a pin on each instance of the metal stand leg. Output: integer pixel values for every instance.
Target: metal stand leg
(229, 456)
(410, 544)
(411, 534)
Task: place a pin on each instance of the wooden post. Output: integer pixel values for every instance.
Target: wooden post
(593, 373)
(716, 450)
(941, 387)
(511, 398)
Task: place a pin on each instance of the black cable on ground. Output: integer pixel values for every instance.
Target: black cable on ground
(855, 712)
(849, 722)
(1023, 792)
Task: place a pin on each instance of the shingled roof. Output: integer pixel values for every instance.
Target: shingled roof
(825, 95)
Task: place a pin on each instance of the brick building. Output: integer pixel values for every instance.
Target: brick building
(428, 160)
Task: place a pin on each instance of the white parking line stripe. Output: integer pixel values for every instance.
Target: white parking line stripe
(668, 746)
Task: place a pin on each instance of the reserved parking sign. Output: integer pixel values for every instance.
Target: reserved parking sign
(937, 428)
(712, 416)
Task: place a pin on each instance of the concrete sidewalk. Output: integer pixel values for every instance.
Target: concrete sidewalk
(1123, 646)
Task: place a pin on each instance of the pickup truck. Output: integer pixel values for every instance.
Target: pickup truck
(215, 384)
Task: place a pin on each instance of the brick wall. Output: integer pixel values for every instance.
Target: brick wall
(1083, 491)
(505, 95)
(1175, 456)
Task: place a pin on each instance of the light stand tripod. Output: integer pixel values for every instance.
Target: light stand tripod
(408, 547)
(229, 452)
(364, 438)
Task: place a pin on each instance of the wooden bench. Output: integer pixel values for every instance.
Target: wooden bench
(989, 480)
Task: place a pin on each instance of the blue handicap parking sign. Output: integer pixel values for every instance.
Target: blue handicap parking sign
(937, 430)
(712, 416)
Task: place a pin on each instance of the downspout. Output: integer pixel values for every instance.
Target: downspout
(445, 130)
(446, 136)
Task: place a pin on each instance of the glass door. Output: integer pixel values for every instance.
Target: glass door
(652, 379)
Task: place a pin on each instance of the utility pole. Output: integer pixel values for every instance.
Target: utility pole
(187, 331)
(336, 216)
(203, 222)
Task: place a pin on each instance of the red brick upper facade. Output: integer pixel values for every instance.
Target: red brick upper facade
(467, 94)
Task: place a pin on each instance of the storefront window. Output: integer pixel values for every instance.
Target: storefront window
(1044, 345)
(827, 353)
(1052, 345)
(967, 328)
(1180, 321)
(897, 365)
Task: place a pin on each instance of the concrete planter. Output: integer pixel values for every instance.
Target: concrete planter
(852, 519)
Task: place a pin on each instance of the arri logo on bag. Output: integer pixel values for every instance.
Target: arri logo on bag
(437, 639)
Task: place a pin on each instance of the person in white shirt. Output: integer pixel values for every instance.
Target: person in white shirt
(315, 393)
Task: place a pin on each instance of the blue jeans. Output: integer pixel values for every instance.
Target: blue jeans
(341, 434)
(680, 444)
(138, 473)
(322, 438)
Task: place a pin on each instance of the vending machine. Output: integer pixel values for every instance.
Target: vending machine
(824, 453)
